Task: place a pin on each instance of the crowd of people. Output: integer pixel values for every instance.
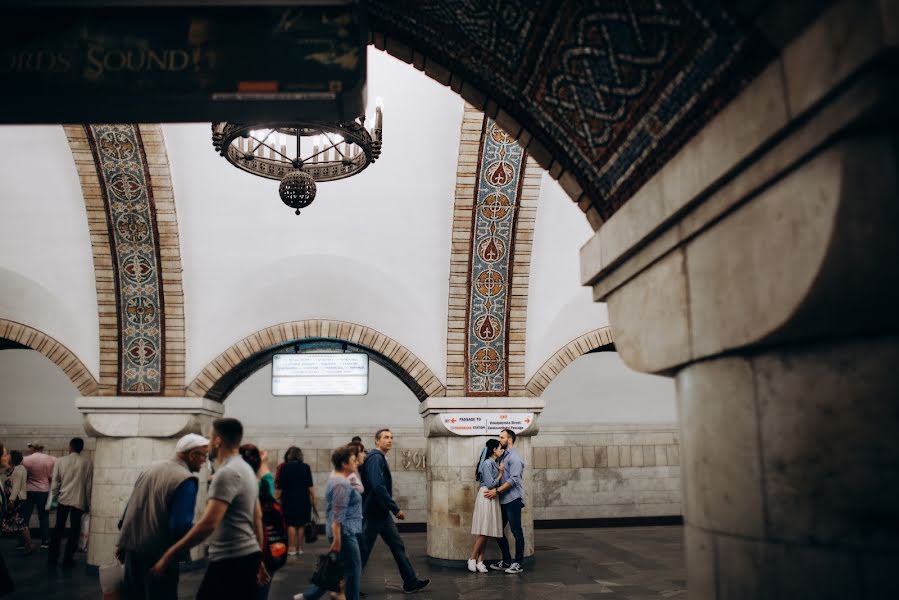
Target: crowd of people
(247, 509)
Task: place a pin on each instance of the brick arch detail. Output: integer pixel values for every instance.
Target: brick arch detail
(601, 138)
(583, 344)
(64, 358)
(230, 361)
(151, 165)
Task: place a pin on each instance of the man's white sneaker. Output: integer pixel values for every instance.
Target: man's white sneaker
(499, 566)
(472, 565)
(298, 597)
(482, 568)
(514, 569)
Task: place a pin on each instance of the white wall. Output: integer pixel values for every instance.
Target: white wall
(560, 309)
(46, 267)
(372, 249)
(600, 388)
(34, 391)
(388, 402)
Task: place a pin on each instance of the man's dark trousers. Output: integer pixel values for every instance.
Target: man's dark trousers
(512, 516)
(63, 513)
(38, 500)
(139, 584)
(372, 527)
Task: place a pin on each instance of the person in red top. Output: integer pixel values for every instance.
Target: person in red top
(37, 488)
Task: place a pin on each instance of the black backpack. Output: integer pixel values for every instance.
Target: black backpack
(274, 551)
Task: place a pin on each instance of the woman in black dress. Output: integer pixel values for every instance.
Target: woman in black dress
(294, 486)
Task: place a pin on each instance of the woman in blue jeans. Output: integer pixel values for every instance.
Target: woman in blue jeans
(343, 523)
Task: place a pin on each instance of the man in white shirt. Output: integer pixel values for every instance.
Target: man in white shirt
(71, 486)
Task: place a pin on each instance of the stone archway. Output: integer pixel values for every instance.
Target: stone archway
(583, 344)
(219, 378)
(65, 359)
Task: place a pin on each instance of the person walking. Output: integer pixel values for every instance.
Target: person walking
(233, 519)
(343, 523)
(487, 520)
(71, 485)
(15, 478)
(378, 504)
(511, 499)
(39, 467)
(256, 458)
(159, 511)
(297, 496)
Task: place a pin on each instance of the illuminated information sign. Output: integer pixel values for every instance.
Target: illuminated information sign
(320, 374)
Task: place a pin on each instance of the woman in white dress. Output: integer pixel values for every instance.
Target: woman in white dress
(487, 520)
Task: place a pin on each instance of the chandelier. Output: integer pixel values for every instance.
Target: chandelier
(299, 153)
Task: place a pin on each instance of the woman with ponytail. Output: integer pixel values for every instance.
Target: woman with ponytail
(487, 519)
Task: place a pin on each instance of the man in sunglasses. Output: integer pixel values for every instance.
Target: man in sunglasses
(159, 512)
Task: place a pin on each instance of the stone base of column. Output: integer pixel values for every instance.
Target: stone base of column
(452, 486)
(131, 433)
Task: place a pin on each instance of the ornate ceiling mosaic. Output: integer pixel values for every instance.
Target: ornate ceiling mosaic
(500, 173)
(611, 88)
(135, 253)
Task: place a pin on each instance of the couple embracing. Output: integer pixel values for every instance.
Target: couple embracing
(499, 502)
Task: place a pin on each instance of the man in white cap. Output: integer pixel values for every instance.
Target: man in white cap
(159, 512)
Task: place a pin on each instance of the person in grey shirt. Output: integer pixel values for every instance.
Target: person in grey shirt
(233, 518)
(511, 499)
(71, 486)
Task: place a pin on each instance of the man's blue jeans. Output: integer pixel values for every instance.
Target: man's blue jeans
(386, 528)
(512, 516)
(352, 570)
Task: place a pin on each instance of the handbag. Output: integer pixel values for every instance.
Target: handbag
(112, 579)
(310, 530)
(328, 573)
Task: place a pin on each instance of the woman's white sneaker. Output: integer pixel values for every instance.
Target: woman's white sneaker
(472, 565)
(482, 568)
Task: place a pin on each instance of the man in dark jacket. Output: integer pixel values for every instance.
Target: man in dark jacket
(377, 506)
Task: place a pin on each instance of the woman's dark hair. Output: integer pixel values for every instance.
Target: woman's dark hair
(359, 446)
(293, 454)
(251, 454)
(15, 458)
(491, 445)
(342, 456)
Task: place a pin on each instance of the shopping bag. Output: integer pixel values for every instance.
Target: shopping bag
(112, 576)
(310, 531)
(84, 534)
(328, 573)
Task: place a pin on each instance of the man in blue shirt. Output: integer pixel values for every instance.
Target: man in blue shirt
(511, 499)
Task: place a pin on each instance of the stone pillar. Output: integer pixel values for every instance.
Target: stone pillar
(760, 267)
(452, 486)
(131, 432)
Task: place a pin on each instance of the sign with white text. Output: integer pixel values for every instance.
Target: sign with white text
(486, 423)
(320, 374)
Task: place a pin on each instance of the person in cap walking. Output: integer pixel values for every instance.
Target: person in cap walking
(39, 467)
(159, 512)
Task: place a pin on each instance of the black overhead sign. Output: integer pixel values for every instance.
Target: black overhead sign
(152, 61)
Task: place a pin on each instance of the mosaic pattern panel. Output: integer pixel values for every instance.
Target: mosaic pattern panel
(135, 252)
(500, 171)
(615, 87)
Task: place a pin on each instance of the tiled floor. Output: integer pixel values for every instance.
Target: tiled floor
(636, 563)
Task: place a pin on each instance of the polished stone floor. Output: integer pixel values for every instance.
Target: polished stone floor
(634, 563)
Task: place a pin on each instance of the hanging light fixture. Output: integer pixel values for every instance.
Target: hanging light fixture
(300, 154)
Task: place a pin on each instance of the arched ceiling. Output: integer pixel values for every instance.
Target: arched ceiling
(373, 249)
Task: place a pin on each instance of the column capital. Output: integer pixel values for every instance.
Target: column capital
(433, 409)
(146, 416)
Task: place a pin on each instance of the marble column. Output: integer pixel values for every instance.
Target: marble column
(131, 432)
(452, 486)
(760, 268)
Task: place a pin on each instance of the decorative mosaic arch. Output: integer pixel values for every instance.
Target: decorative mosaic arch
(584, 344)
(64, 358)
(219, 378)
(495, 209)
(126, 183)
(601, 94)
